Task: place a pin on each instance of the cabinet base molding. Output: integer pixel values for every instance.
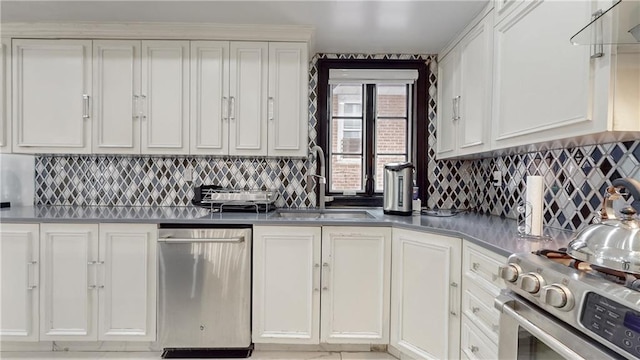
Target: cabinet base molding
(15, 346)
(320, 347)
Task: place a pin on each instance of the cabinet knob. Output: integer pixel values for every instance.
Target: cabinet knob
(475, 309)
(474, 349)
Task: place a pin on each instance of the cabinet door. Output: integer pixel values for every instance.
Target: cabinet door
(51, 103)
(210, 97)
(127, 282)
(165, 97)
(288, 119)
(356, 267)
(448, 102)
(68, 291)
(425, 295)
(19, 257)
(543, 85)
(116, 90)
(248, 98)
(5, 99)
(286, 285)
(476, 54)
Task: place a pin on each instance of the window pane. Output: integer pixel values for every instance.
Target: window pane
(380, 161)
(346, 136)
(346, 173)
(391, 100)
(391, 136)
(346, 100)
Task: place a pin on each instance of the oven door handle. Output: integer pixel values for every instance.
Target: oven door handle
(505, 304)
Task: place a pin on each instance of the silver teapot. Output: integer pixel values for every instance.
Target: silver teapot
(612, 241)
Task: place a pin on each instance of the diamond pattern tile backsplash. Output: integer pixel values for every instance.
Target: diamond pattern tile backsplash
(575, 178)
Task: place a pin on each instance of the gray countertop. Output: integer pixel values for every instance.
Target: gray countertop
(492, 232)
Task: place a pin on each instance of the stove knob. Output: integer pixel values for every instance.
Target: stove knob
(531, 282)
(557, 296)
(510, 272)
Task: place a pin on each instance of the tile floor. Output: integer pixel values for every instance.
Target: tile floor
(257, 355)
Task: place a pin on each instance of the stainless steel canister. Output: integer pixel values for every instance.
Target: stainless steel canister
(398, 186)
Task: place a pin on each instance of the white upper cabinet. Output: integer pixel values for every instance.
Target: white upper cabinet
(247, 101)
(546, 89)
(51, 96)
(165, 97)
(288, 124)
(116, 90)
(5, 99)
(464, 92)
(209, 97)
(474, 104)
(19, 276)
(542, 82)
(448, 89)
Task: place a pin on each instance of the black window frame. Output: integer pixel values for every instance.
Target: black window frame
(419, 147)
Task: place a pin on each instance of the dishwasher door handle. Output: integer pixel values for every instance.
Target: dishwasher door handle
(170, 239)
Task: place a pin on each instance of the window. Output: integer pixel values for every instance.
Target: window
(366, 122)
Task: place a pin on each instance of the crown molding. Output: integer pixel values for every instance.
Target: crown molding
(158, 30)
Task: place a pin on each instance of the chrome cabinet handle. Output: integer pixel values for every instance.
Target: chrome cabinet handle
(141, 109)
(325, 279)
(95, 274)
(232, 108)
(474, 349)
(597, 41)
(31, 266)
(316, 270)
(475, 309)
(453, 299)
(456, 108)
(85, 106)
(271, 105)
(225, 108)
(475, 266)
(136, 107)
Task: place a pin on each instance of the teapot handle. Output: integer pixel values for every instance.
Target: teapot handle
(613, 193)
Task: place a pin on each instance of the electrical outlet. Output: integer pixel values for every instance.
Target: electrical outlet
(496, 178)
(188, 174)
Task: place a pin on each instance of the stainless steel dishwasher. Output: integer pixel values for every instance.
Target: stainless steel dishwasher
(204, 291)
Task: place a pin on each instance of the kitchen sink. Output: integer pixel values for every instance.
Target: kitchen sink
(327, 214)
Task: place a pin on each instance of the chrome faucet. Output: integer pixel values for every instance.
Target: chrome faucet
(322, 179)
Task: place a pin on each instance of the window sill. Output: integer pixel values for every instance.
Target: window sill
(355, 201)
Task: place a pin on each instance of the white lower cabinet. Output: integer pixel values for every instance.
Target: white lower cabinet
(425, 295)
(127, 291)
(19, 254)
(98, 282)
(294, 267)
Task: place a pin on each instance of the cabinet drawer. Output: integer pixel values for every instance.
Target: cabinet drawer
(477, 305)
(483, 267)
(474, 344)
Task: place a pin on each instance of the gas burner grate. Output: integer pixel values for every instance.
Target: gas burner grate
(631, 281)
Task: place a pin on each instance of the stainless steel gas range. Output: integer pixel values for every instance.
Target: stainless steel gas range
(558, 307)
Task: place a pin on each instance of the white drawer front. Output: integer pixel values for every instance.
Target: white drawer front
(483, 266)
(474, 344)
(477, 305)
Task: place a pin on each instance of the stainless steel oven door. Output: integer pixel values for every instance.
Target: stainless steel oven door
(527, 332)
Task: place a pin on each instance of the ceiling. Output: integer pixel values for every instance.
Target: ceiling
(345, 26)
